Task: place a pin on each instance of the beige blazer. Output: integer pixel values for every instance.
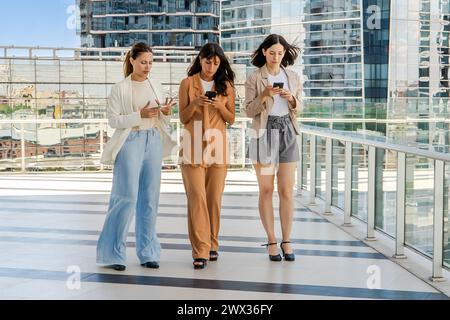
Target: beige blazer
(210, 119)
(254, 108)
(123, 118)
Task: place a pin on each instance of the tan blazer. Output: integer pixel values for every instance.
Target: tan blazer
(255, 85)
(209, 118)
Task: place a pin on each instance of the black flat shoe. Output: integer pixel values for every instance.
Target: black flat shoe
(287, 256)
(118, 267)
(276, 257)
(213, 256)
(151, 264)
(199, 263)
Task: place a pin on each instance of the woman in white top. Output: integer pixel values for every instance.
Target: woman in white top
(272, 100)
(136, 150)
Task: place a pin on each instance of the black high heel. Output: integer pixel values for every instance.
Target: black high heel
(213, 255)
(118, 267)
(199, 263)
(287, 256)
(276, 257)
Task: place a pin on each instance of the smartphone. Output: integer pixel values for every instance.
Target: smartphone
(210, 94)
(278, 85)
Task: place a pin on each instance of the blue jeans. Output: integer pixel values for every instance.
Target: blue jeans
(135, 188)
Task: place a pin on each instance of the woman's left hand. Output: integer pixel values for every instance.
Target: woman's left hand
(216, 104)
(166, 109)
(285, 94)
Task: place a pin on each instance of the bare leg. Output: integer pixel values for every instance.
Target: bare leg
(285, 182)
(265, 204)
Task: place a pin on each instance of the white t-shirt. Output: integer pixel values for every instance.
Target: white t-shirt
(143, 93)
(207, 85)
(280, 105)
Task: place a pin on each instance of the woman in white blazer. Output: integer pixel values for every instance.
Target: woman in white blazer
(136, 150)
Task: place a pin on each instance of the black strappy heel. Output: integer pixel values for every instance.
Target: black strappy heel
(276, 257)
(287, 256)
(213, 255)
(200, 265)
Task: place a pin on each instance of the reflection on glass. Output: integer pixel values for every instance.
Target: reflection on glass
(419, 203)
(385, 191)
(306, 162)
(338, 171)
(320, 167)
(47, 71)
(446, 238)
(359, 181)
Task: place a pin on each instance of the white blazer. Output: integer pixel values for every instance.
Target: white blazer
(121, 117)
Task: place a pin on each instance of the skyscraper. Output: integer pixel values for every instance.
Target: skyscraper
(163, 24)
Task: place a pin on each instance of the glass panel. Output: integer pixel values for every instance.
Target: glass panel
(338, 170)
(23, 70)
(320, 167)
(306, 161)
(359, 181)
(419, 203)
(94, 71)
(71, 71)
(47, 71)
(386, 191)
(446, 240)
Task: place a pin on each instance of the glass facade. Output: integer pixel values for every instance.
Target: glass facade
(332, 59)
(48, 91)
(160, 23)
(418, 71)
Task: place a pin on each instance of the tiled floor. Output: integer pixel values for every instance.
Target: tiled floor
(49, 224)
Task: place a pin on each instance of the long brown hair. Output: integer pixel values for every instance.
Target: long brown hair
(135, 51)
(258, 58)
(223, 75)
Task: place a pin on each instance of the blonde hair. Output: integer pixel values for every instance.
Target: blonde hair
(135, 51)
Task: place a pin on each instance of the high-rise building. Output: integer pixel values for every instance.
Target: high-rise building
(163, 24)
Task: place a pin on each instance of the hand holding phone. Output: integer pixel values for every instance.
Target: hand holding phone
(278, 85)
(211, 94)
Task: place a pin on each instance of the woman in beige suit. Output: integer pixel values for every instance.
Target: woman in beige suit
(206, 106)
(272, 99)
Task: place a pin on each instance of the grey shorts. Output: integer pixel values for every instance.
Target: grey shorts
(278, 144)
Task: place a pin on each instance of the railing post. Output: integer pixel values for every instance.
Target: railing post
(243, 143)
(438, 220)
(300, 163)
(312, 180)
(22, 148)
(101, 144)
(348, 185)
(178, 132)
(328, 175)
(400, 210)
(371, 194)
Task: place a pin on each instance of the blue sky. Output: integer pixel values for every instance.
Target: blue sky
(38, 23)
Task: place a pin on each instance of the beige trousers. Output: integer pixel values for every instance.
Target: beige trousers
(204, 188)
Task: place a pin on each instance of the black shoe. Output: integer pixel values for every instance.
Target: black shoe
(118, 267)
(287, 256)
(213, 256)
(199, 263)
(151, 264)
(276, 257)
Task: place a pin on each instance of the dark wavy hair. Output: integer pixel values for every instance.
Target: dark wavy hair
(223, 74)
(291, 51)
(135, 51)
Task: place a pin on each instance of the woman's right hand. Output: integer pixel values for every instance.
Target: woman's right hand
(270, 91)
(202, 101)
(147, 112)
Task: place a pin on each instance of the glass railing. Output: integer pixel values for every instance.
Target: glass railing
(400, 190)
